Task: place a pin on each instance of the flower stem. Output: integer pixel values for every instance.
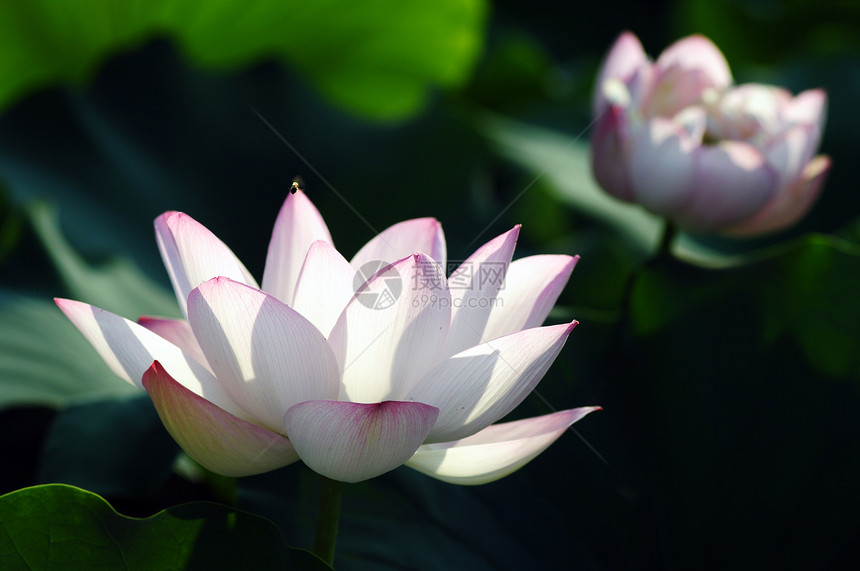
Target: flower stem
(670, 232)
(325, 536)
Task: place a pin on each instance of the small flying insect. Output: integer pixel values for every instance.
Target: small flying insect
(298, 184)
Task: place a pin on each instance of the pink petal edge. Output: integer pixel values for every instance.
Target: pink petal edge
(298, 225)
(219, 441)
(192, 255)
(696, 52)
(532, 286)
(623, 59)
(402, 239)
(480, 385)
(129, 350)
(351, 442)
(474, 285)
(496, 451)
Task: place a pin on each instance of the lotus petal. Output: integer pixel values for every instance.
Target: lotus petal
(733, 181)
(402, 239)
(326, 284)
(662, 166)
(265, 354)
(393, 331)
(532, 286)
(129, 350)
(351, 442)
(474, 286)
(297, 226)
(496, 451)
(219, 441)
(790, 203)
(192, 255)
(480, 385)
(178, 332)
(623, 59)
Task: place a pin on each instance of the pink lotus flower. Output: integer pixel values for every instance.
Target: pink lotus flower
(408, 369)
(676, 137)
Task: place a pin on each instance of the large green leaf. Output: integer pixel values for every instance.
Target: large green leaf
(62, 527)
(377, 59)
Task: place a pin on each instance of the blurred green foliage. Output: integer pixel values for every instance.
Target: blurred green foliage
(728, 372)
(374, 58)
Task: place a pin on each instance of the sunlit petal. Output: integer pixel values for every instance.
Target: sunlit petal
(351, 442)
(402, 239)
(265, 354)
(178, 332)
(532, 286)
(129, 350)
(192, 255)
(393, 331)
(326, 284)
(496, 451)
(298, 225)
(478, 386)
(474, 287)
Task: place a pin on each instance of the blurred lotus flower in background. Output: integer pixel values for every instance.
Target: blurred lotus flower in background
(675, 136)
(407, 368)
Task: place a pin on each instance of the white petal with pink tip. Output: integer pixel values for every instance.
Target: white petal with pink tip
(129, 350)
(215, 438)
(790, 203)
(402, 239)
(474, 287)
(792, 151)
(192, 255)
(697, 53)
(178, 332)
(478, 386)
(350, 442)
(808, 107)
(494, 452)
(297, 226)
(625, 56)
(532, 286)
